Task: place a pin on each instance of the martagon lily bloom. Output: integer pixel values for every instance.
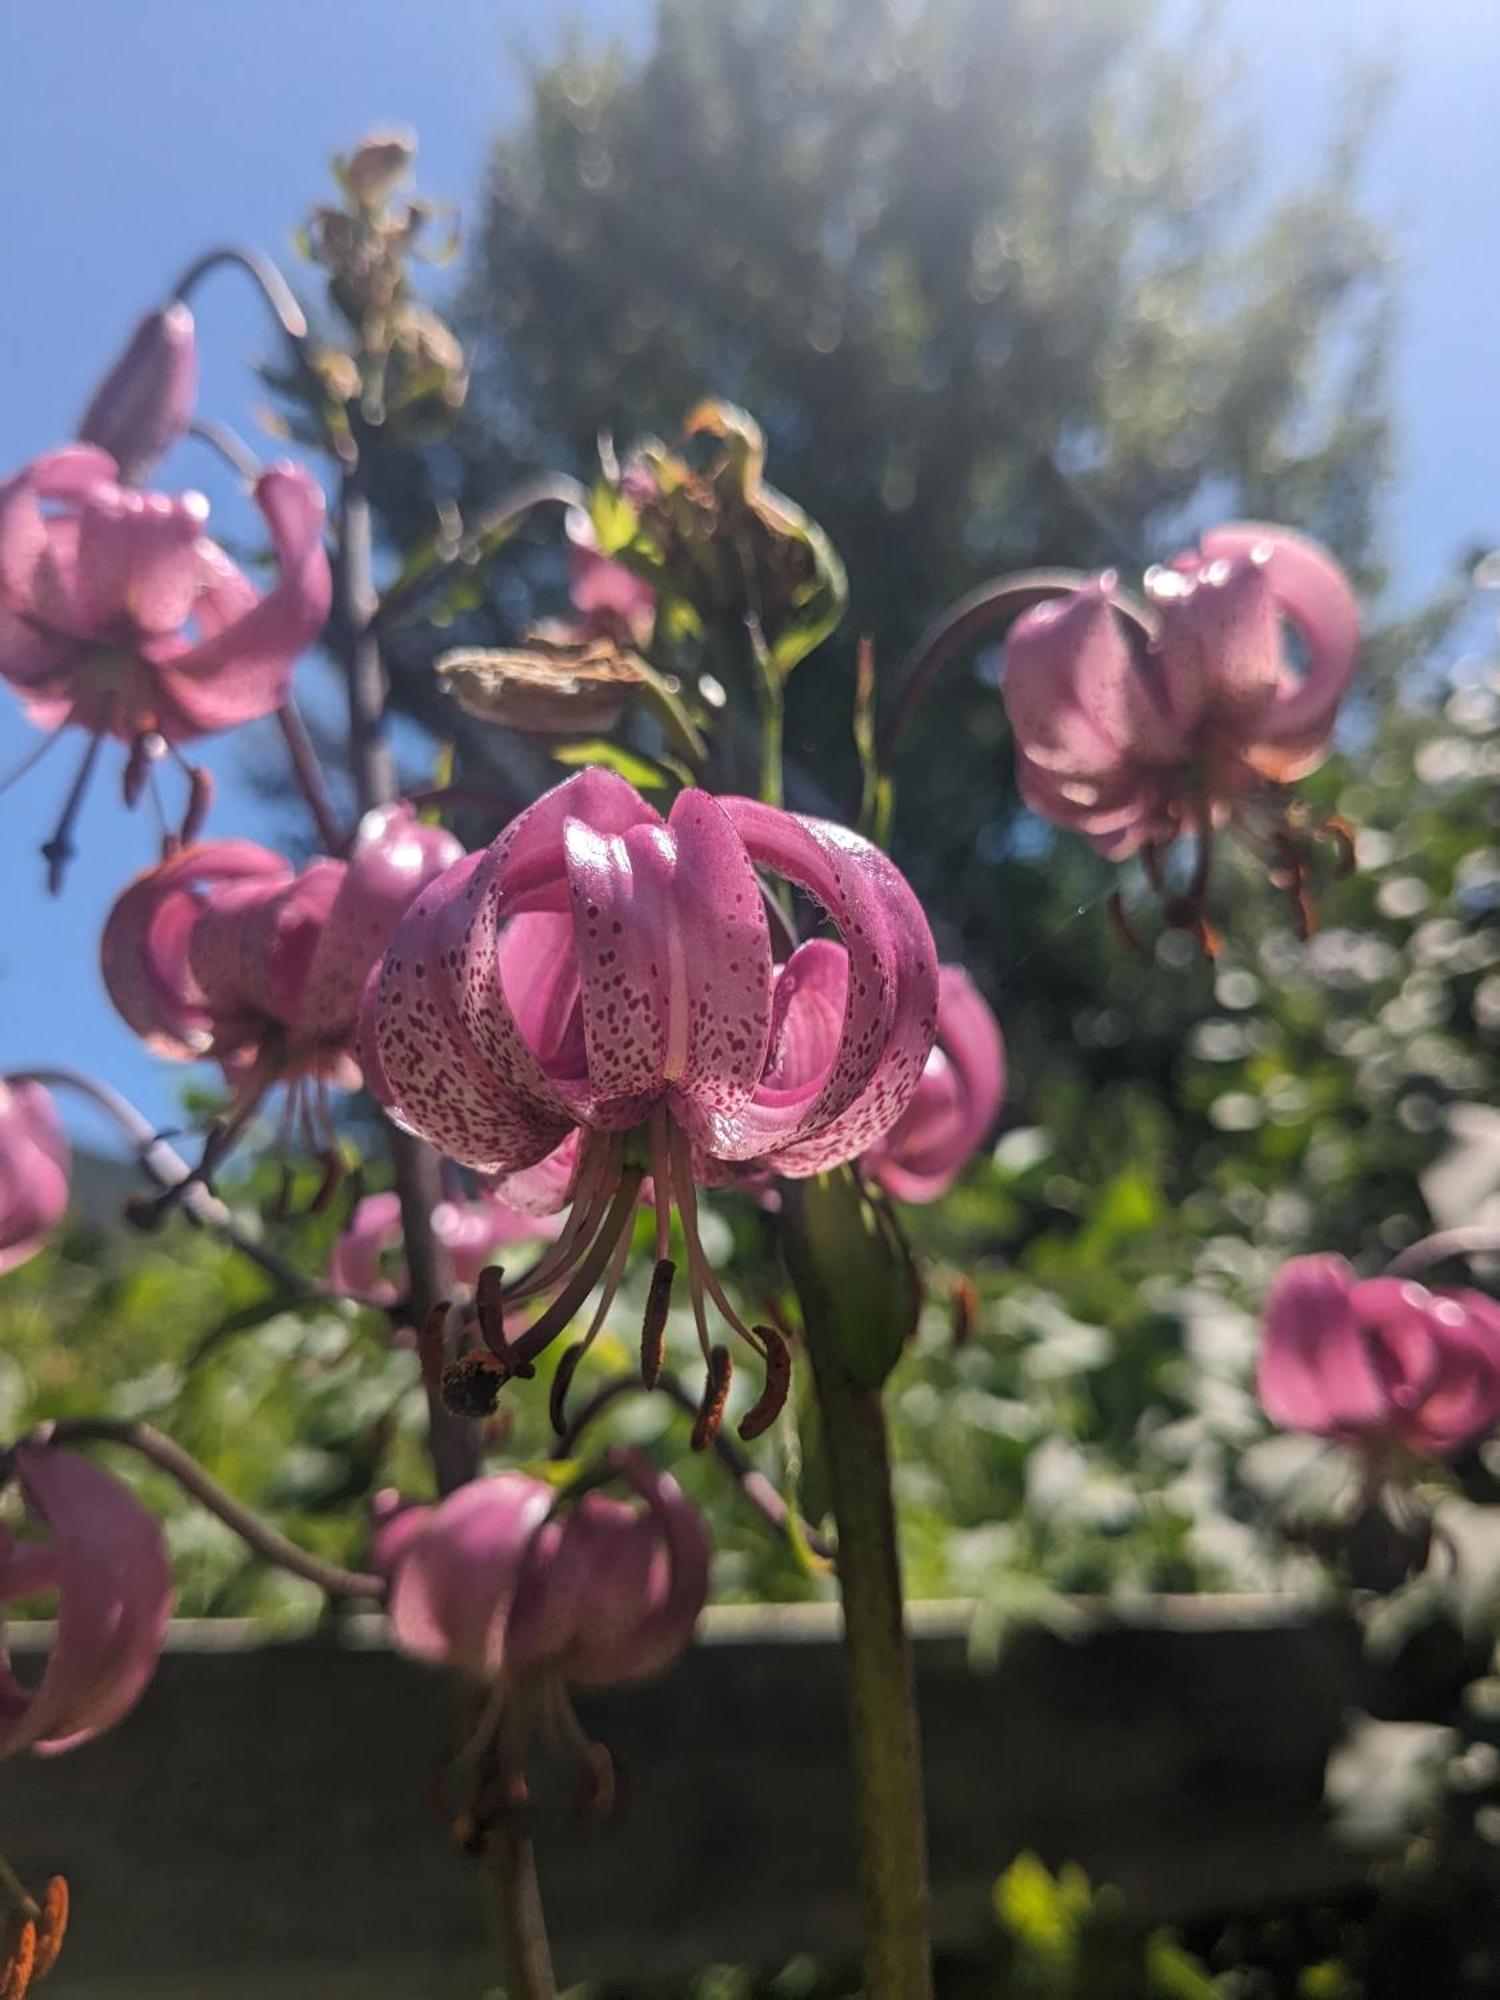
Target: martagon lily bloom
(528, 1594)
(470, 1232)
(1379, 1363)
(225, 951)
(120, 617)
(604, 977)
(955, 1104)
(1137, 724)
(104, 1559)
(34, 1168)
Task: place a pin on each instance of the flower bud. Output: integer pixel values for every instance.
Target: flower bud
(145, 402)
(853, 1270)
(377, 167)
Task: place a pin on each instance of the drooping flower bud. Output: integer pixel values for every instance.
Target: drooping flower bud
(145, 402)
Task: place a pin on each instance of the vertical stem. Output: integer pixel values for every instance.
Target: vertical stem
(453, 1441)
(890, 1816)
(309, 775)
(518, 1915)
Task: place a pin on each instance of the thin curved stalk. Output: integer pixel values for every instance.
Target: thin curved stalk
(1475, 1239)
(266, 1542)
(168, 1170)
(308, 772)
(495, 525)
(957, 631)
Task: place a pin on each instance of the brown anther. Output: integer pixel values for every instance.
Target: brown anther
(654, 1325)
(51, 1927)
(778, 1381)
(281, 1208)
(328, 1186)
(19, 1962)
(489, 1310)
(137, 770)
(1124, 930)
(964, 1305)
(601, 1787)
(432, 1347)
(715, 1396)
(200, 799)
(1341, 833)
(470, 1386)
(562, 1381)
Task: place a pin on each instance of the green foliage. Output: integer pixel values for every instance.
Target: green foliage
(1072, 1942)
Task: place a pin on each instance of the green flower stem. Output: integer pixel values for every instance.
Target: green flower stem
(890, 1817)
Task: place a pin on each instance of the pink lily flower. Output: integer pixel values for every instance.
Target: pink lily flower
(469, 1231)
(34, 1168)
(105, 1559)
(955, 1104)
(1179, 718)
(610, 599)
(528, 1596)
(145, 402)
(118, 615)
(1379, 1363)
(601, 973)
(225, 951)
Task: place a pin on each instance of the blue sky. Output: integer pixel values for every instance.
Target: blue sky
(131, 136)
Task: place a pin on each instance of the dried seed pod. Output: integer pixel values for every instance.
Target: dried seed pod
(548, 687)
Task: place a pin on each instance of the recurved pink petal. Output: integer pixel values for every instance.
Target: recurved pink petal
(34, 1169)
(138, 565)
(890, 1013)
(145, 948)
(243, 669)
(1312, 592)
(474, 1232)
(675, 962)
(1316, 1372)
(453, 1580)
(114, 1597)
(25, 531)
(393, 860)
(610, 1594)
(1219, 648)
(955, 1103)
(1462, 1403)
(360, 1257)
(415, 1046)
